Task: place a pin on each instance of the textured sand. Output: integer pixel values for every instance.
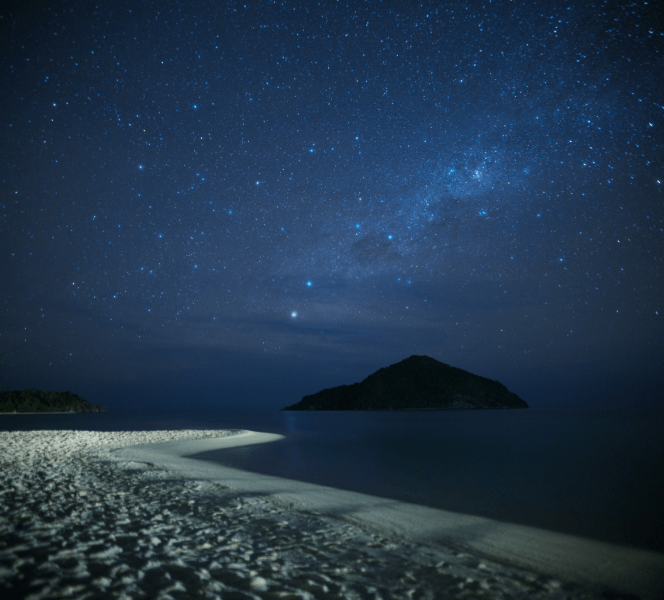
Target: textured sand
(82, 518)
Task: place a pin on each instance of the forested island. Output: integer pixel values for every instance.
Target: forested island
(415, 383)
(37, 401)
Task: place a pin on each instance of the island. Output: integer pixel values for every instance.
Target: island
(37, 401)
(415, 383)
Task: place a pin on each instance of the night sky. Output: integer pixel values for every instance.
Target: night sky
(233, 204)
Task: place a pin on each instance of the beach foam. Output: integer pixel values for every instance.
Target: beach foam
(90, 515)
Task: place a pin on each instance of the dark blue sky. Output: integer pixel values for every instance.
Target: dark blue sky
(233, 204)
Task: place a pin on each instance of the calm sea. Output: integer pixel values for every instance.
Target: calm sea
(594, 474)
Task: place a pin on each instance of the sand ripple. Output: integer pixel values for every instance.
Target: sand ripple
(78, 524)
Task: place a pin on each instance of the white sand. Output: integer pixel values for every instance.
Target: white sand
(91, 515)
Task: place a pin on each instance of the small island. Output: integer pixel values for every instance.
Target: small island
(37, 401)
(415, 383)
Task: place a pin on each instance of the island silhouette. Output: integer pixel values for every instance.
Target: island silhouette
(415, 383)
(38, 401)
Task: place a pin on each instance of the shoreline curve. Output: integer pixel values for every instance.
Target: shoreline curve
(622, 568)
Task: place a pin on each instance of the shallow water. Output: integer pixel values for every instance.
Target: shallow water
(594, 474)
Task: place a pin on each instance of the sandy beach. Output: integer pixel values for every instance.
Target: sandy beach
(147, 514)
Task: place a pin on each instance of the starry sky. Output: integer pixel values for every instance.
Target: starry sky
(233, 204)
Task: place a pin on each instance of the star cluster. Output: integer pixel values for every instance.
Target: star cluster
(194, 193)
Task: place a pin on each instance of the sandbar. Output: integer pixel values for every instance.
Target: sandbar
(624, 569)
(148, 514)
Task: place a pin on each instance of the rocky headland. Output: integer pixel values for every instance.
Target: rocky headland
(37, 401)
(416, 383)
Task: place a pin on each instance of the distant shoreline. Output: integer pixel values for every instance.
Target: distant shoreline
(38, 401)
(56, 412)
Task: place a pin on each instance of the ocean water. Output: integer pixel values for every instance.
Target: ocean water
(595, 474)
